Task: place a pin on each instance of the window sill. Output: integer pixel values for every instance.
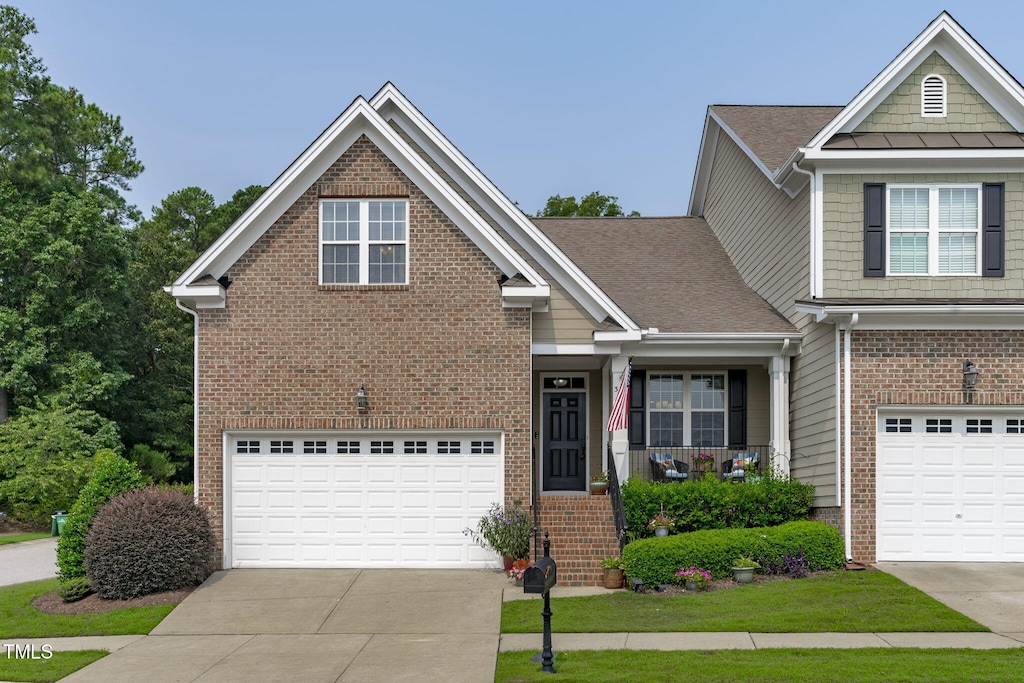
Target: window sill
(363, 288)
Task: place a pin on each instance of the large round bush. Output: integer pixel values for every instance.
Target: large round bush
(147, 541)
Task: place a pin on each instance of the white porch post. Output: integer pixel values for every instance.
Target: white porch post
(779, 434)
(620, 437)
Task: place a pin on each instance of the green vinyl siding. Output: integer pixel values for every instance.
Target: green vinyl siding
(967, 111)
(565, 322)
(843, 241)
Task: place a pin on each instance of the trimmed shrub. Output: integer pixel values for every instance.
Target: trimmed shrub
(655, 560)
(112, 475)
(74, 589)
(708, 503)
(152, 463)
(147, 541)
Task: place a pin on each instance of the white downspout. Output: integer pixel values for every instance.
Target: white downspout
(847, 435)
(812, 247)
(195, 398)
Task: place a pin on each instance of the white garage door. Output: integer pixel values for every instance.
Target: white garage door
(950, 487)
(359, 500)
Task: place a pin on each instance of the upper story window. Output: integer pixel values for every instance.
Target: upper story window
(934, 229)
(364, 241)
(933, 96)
(686, 409)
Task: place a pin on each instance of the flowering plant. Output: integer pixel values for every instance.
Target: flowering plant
(702, 457)
(506, 531)
(518, 567)
(600, 476)
(661, 519)
(698, 575)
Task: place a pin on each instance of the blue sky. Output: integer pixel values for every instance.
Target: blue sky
(544, 97)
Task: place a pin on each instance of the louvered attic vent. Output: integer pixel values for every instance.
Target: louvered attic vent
(933, 95)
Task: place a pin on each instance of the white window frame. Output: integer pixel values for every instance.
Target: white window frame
(928, 95)
(933, 228)
(688, 409)
(364, 242)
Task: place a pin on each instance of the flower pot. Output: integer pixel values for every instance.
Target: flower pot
(613, 578)
(507, 563)
(519, 583)
(692, 586)
(598, 488)
(743, 574)
(661, 531)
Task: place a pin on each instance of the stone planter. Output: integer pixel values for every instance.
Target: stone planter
(661, 531)
(692, 586)
(613, 578)
(743, 574)
(598, 488)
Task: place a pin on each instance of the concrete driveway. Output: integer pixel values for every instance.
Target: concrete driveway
(344, 625)
(28, 561)
(991, 593)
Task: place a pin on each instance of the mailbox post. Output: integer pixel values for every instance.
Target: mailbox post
(539, 578)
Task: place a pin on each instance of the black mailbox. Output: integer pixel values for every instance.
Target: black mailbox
(540, 576)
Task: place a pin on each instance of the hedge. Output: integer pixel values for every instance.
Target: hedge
(709, 503)
(656, 560)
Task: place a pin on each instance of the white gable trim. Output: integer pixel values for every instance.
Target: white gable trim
(357, 120)
(393, 105)
(919, 316)
(963, 53)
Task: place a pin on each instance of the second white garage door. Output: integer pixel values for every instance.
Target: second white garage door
(950, 487)
(360, 500)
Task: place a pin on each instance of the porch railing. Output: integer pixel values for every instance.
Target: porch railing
(616, 493)
(640, 459)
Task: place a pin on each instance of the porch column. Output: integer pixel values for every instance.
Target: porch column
(620, 437)
(779, 434)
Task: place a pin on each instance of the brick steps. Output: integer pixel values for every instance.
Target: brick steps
(582, 531)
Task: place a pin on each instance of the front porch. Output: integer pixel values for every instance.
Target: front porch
(722, 464)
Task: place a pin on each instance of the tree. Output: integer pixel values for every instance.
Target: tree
(594, 204)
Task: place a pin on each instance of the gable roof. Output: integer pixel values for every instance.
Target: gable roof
(671, 274)
(357, 120)
(771, 133)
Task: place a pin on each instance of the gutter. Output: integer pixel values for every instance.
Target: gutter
(847, 433)
(195, 398)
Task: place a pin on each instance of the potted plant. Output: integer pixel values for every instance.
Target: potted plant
(694, 578)
(702, 462)
(515, 573)
(599, 484)
(612, 570)
(661, 524)
(743, 569)
(505, 530)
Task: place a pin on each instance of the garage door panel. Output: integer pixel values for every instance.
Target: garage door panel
(1013, 514)
(898, 484)
(1013, 485)
(1013, 456)
(979, 457)
(979, 484)
(938, 485)
(898, 456)
(936, 513)
(937, 456)
(415, 474)
(979, 513)
(894, 513)
(314, 474)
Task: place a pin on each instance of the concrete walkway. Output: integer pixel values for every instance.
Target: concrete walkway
(28, 561)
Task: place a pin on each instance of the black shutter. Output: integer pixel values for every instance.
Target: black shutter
(874, 229)
(992, 230)
(737, 409)
(637, 409)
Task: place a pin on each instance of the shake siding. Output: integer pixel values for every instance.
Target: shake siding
(565, 322)
(767, 236)
(843, 206)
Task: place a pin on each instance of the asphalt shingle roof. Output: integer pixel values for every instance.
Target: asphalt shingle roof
(668, 273)
(773, 133)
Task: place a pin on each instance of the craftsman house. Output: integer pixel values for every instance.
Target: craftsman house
(386, 344)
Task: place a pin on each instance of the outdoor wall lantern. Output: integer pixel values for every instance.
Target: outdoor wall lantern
(362, 400)
(560, 382)
(970, 375)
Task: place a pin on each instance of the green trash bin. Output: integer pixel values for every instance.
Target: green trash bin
(57, 523)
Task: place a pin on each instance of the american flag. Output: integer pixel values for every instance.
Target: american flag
(619, 417)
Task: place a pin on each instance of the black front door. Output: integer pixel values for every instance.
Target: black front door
(565, 441)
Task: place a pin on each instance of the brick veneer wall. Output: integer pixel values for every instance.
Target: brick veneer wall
(906, 368)
(438, 353)
(582, 533)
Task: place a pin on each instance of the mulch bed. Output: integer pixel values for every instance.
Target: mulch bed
(672, 590)
(52, 603)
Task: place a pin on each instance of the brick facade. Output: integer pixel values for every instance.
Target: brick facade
(907, 368)
(438, 353)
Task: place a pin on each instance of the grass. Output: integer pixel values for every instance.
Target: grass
(850, 602)
(18, 538)
(876, 665)
(44, 670)
(18, 619)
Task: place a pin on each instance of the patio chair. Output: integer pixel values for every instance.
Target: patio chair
(664, 468)
(741, 466)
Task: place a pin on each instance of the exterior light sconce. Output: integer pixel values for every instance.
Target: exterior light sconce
(362, 400)
(560, 382)
(970, 375)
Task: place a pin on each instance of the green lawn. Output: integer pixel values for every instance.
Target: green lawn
(877, 665)
(18, 619)
(18, 538)
(57, 667)
(860, 602)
